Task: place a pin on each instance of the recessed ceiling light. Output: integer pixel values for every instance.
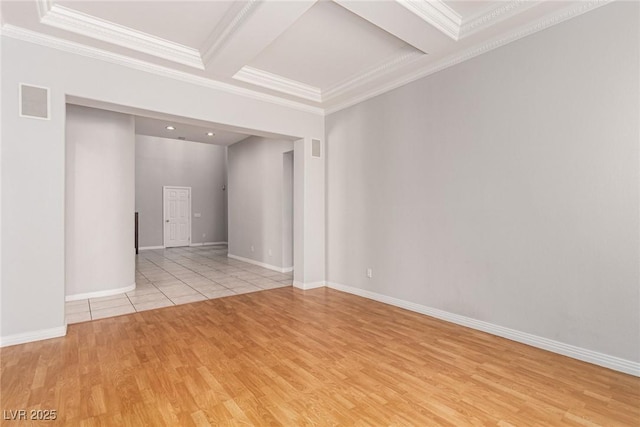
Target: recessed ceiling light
(170, 128)
(210, 134)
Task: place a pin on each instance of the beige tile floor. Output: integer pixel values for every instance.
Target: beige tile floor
(166, 277)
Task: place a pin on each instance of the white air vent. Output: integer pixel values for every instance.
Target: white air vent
(315, 148)
(34, 102)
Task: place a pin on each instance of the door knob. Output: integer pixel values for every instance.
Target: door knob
(167, 221)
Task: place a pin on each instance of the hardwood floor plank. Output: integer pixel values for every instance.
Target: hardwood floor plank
(287, 357)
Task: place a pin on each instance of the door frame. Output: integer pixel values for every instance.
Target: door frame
(164, 212)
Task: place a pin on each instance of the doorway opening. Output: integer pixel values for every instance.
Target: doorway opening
(200, 263)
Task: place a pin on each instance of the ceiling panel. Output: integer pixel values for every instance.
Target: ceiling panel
(155, 127)
(186, 22)
(326, 46)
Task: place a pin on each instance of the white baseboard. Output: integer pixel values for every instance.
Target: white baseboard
(208, 244)
(600, 359)
(26, 337)
(309, 285)
(149, 248)
(261, 264)
(98, 294)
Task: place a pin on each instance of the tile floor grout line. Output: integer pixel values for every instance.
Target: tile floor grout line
(131, 302)
(183, 266)
(189, 261)
(165, 295)
(180, 280)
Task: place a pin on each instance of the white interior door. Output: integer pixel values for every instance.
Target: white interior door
(177, 216)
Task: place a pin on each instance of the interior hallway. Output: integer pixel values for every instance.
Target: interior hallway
(166, 277)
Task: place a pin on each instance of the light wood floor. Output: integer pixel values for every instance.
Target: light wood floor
(294, 358)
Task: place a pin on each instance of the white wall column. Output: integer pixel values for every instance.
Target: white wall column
(100, 194)
(309, 214)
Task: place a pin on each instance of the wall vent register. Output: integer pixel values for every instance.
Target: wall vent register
(315, 147)
(34, 102)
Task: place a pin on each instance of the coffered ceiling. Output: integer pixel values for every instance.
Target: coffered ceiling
(314, 55)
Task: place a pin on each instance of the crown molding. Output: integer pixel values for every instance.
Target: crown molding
(225, 29)
(371, 74)
(80, 23)
(487, 18)
(114, 58)
(44, 6)
(436, 13)
(276, 82)
(450, 23)
(449, 61)
(292, 87)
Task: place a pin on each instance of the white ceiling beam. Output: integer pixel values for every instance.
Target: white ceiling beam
(436, 13)
(81, 23)
(275, 82)
(246, 31)
(400, 21)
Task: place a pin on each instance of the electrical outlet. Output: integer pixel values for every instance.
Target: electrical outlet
(369, 273)
(270, 252)
(204, 235)
(252, 248)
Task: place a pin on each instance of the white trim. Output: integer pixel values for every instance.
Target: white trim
(207, 244)
(43, 7)
(225, 29)
(261, 264)
(494, 15)
(90, 52)
(309, 285)
(292, 87)
(148, 248)
(81, 23)
(164, 214)
(276, 82)
(590, 356)
(449, 61)
(452, 24)
(436, 13)
(99, 294)
(25, 337)
(373, 73)
(20, 85)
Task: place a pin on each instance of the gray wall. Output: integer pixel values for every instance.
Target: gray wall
(162, 161)
(256, 172)
(99, 202)
(505, 188)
